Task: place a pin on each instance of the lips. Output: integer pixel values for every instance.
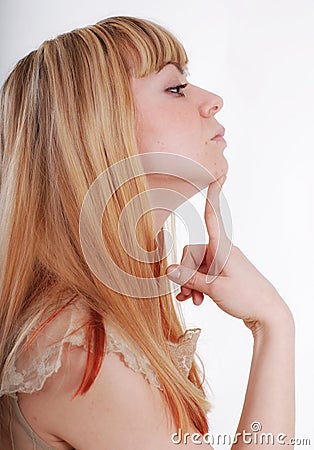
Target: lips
(219, 134)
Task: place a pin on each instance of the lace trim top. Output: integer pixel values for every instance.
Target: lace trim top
(29, 372)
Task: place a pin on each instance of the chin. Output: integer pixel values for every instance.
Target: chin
(223, 169)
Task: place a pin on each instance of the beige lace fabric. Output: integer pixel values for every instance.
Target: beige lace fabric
(29, 371)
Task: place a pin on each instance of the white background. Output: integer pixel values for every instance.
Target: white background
(259, 56)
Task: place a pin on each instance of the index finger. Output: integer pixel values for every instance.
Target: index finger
(219, 244)
(213, 217)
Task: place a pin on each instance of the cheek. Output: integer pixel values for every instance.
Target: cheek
(149, 132)
(168, 129)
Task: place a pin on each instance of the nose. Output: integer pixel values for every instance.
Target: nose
(210, 104)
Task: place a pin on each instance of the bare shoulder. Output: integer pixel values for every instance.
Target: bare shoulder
(121, 409)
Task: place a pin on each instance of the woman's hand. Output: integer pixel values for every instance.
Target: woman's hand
(221, 271)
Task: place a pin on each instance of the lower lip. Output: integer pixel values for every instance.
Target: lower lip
(219, 139)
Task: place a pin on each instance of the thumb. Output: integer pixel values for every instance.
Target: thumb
(192, 279)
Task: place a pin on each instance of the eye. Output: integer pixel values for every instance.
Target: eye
(177, 89)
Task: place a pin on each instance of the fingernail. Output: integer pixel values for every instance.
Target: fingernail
(174, 273)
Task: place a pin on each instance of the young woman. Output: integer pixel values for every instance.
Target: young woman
(93, 353)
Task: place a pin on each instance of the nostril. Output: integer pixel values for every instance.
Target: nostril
(208, 110)
(210, 104)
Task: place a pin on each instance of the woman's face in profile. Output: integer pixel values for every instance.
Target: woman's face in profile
(173, 116)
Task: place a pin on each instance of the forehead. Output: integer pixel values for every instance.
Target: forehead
(182, 70)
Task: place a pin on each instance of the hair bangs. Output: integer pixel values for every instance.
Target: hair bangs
(145, 47)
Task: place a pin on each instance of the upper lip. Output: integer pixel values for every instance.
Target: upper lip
(220, 132)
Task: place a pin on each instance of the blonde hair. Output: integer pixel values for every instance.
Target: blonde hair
(67, 114)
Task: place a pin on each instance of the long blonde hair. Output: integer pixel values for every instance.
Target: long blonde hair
(67, 114)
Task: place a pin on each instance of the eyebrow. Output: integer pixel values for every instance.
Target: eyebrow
(177, 65)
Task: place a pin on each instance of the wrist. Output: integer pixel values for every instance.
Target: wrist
(279, 322)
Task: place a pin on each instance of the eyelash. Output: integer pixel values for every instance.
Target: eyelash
(177, 89)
